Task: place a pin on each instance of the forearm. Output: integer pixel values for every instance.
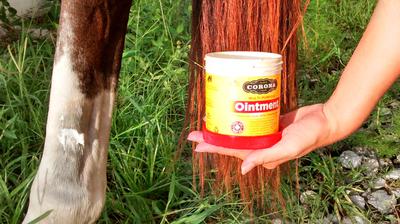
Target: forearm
(373, 68)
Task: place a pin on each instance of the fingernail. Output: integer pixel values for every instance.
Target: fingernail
(246, 167)
(191, 137)
(270, 167)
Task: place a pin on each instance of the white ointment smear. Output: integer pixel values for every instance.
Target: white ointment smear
(71, 137)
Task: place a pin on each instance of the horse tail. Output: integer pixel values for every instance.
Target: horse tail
(245, 25)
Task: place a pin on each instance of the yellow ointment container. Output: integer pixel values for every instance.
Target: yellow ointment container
(243, 91)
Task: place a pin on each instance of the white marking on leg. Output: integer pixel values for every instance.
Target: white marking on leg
(72, 138)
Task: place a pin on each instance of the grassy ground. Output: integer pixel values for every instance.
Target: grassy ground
(142, 186)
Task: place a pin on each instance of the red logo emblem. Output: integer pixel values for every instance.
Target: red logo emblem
(237, 127)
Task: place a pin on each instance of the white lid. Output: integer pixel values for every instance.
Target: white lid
(239, 61)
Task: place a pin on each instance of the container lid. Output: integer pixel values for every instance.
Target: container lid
(248, 59)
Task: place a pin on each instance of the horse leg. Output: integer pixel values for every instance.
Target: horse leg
(71, 179)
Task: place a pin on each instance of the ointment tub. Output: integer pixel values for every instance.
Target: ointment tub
(242, 99)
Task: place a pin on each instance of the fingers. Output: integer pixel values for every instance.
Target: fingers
(289, 148)
(197, 136)
(282, 151)
(273, 165)
(298, 139)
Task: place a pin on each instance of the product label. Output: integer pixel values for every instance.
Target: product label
(243, 106)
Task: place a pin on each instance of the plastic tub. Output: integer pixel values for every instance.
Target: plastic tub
(242, 99)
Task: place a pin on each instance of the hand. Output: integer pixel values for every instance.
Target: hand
(304, 130)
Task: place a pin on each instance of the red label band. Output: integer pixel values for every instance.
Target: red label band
(256, 106)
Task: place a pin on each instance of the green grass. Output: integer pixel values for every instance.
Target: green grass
(144, 186)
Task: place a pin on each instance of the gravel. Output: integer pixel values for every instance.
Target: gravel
(307, 196)
(379, 183)
(382, 201)
(371, 165)
(350, 159)
(363, 151)
(396, 192)
(330, 219)
(354, 220)
(358, 200)
(393, 175)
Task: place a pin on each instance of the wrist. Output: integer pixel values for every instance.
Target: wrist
(332, 132)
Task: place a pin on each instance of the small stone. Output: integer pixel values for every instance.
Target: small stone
(278, 221)
(385, 162)
(382, 201)
(397, 160)
(362, 151)
(358, 201)
(379, 183)
(393, 175)
(371, 165)
(39, 33)
(29, 9)
(307, 196)
(396, 192)
(330, 219)
(354, 220)
(350, 159)
(360, 220)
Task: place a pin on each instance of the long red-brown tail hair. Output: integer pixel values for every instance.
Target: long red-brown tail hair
(246, 25)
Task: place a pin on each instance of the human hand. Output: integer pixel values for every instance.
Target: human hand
(304, 130)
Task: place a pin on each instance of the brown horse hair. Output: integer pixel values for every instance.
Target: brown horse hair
(245, 25)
